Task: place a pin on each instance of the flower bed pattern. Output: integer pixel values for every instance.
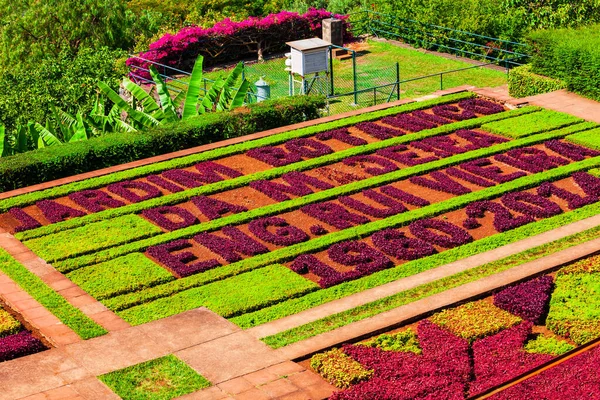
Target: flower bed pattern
(467, 350)
(314, 209)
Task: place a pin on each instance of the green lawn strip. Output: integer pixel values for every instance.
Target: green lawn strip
(575, 306)
(72, 264)
(420, 292)
(529, 124)
(93, 183)
(52, 301)
(272, 173)
(123, 275)
(361, 231)
(92, 237)
(229, 297)
(159, 379)
(589, 139)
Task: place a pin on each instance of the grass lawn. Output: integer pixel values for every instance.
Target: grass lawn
(375, 66)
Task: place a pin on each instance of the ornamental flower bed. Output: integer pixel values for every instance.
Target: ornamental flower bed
(324, 211)
(15, 340)
(464, 351)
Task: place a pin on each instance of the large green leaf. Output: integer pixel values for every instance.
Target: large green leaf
(21, 144)
(80, 130)
(2, 140)
(225, 96)
(140, 94)
(193, 92)
(212, 96)
(38, 143)
(46, 136)
(165, 98)
(240, 95)
(143, 119)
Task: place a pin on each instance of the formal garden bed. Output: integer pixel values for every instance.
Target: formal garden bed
(466, 350)
(16, 340)
(294, 220)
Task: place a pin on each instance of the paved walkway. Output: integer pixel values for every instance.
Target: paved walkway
(238, 365)
(561, 100)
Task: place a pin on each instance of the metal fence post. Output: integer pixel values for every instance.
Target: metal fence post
(331, 90)
(243, 71)
(398, 79)
(354, 77)
(441, 81)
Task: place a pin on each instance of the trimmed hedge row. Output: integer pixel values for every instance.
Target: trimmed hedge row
(271, 173)
(85, 327)
(532, 123)
(56, 162)
(429, 289)
(360, 231)
(289, 205)
(571, 55)
(93, 183)
(523, 83)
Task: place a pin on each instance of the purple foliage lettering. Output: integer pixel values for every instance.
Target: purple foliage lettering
(479, 139)
(208, 172)
(393, 207)
(163, 183)
(408, 122)
(481, 106)
(436, 119)
(452, 235)
(403, 196)
(531, 159)
(531, 204)
(503, 218)
(284, 235)
(26, 221)
(385, 165)
(573, 151)
(230, 249)
(334, 215)
(528, 300)
(378, 131)
(442, 146)
(297, 184)
(328, 276)
(359, 255)
(127, 190)
(308, 148)
(318, 230)
(441, 182)
(466, 176)
(399, 153)
(396, 244)
(342, 135)
(486, 169)
(95, 200)
(274, 156)
(453, 112)
(178, 262)
(56, 212)
(213, 208)
(588, 183)
(170, 218)
(574, 201)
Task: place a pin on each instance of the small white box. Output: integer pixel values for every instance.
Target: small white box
(309, 56)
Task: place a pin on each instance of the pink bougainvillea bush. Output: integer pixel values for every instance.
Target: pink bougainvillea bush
(229, 41)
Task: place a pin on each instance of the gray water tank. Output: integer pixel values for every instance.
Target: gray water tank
(263, 90)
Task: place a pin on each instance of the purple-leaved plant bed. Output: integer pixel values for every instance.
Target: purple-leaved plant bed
(15, 340)
(466, 350)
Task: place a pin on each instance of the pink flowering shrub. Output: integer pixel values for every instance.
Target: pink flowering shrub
(230, 41)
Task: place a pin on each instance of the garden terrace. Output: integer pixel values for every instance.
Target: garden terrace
(478, 345)
(281, 215)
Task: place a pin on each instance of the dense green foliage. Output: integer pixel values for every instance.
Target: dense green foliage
(339, 369)
(159, 379)
(406, 340)
(589, 139)
(522, 83)
(59, 161)
(52, 301)
(571, 55)
(8, 324)
(548, 345)
(529, 124)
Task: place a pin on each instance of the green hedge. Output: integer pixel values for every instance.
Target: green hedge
(530, 124)
(56, 162)
(571, 55)
(522, 83)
